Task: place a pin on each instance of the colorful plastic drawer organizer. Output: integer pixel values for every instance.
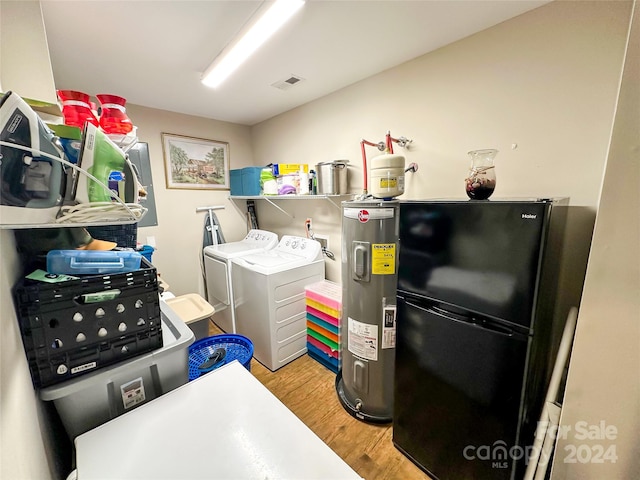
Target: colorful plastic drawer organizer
(324, 308)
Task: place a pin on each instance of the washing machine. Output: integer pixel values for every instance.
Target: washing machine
(217, 267)
(270, 298)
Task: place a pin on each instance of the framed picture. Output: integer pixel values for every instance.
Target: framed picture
(195, 163)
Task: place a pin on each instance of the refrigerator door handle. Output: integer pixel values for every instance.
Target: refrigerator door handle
(442, 312)
(496, 327)
(479, 322)
(449, 314)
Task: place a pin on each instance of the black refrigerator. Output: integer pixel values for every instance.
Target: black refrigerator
(477, 283)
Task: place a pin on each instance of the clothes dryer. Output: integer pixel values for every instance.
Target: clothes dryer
(270, 298)
(217, 266)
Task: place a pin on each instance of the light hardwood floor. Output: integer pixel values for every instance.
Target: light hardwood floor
(307, 388)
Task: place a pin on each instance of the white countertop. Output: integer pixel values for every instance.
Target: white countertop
(224, 425)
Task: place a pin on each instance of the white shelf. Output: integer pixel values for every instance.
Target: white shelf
(45, 218)
(288, 197)
(273, 199)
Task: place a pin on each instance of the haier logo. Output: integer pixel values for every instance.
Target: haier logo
(529, 215)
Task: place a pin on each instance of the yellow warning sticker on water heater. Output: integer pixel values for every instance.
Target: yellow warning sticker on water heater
(383, 258)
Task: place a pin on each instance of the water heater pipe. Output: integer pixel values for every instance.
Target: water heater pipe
(364, 142)
(389, 142)
(402, 141)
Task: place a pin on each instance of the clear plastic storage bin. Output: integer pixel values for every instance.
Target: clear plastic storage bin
(92, 262)
(91, 400)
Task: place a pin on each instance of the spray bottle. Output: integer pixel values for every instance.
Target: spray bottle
(313, 184)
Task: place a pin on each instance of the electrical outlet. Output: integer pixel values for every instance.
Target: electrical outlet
(324, 241)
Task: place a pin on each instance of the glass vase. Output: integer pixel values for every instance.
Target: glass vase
(481, 181)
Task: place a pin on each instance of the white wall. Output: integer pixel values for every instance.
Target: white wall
(28, 444)
(180, 229)
(23, 447)
(33, 79)
(545, 81)
(603, 387)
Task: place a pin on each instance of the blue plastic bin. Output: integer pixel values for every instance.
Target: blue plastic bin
(212, 352)
(251, 180)
(91, 262)
(147, 251)
(235, 180)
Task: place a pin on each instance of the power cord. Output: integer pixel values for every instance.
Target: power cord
(328, 253)
(309, 232)
(99, 212)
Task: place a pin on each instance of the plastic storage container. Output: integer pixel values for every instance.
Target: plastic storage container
(324, 309)
(210, 353)
(193, 310)
(87, 402)
(74, 327)
(147, 252)
(251, 180)
(235, 181)
(92, 262)
(245, 181)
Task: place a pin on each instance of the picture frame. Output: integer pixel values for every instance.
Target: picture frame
(195, 163)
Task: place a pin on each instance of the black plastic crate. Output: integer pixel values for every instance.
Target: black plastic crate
(75, 327)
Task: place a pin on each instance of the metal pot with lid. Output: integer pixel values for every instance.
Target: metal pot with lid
(332, 177)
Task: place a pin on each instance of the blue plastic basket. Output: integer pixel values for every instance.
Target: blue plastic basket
(146, 251)
(212, 352)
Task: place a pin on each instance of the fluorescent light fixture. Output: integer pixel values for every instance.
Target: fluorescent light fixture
(231, 58)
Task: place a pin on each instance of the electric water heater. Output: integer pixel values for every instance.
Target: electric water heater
(368, 325)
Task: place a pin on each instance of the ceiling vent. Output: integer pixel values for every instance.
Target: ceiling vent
(287, 83)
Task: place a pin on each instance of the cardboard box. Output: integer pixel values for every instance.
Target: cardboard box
(286, 168)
